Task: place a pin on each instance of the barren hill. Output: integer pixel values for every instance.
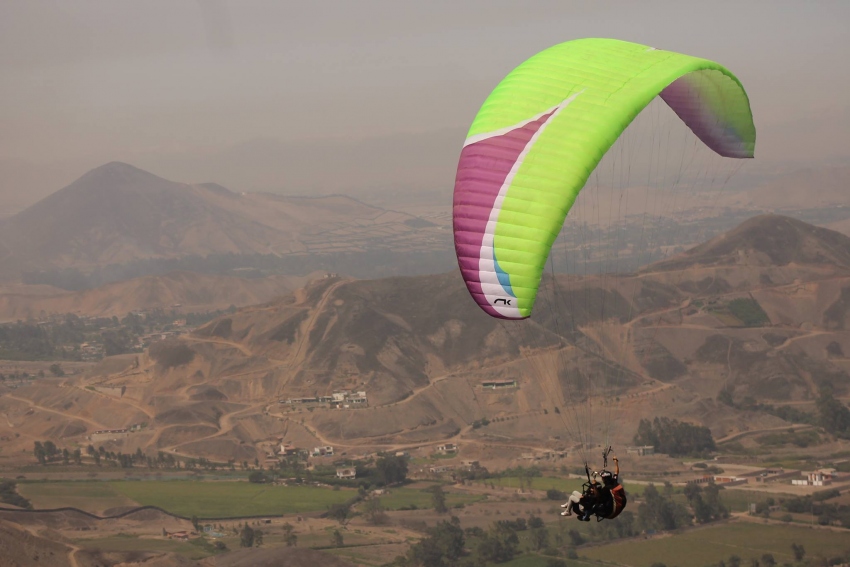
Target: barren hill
(192, 292)
(117, 214)
(761, 313)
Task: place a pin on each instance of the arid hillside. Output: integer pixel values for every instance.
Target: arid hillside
(182, 291)
(760, 312)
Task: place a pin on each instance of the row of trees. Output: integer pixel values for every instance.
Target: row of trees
(766, 560)
(674, 437)
(48, 452)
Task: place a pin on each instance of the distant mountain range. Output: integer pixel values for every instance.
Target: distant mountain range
(761, 312)
(118, 222)
(118, 215)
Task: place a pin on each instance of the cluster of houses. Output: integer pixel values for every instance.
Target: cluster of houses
(338, 400)
(464, 466)
(641, 450)
(89, 351)
(282, 449)
(820, 477)
(543, 455)
(102, 435)
(145, 341)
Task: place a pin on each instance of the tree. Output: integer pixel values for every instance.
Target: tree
(56, 370)
(767, 560)
(535, 522)
(257, 477)
(246, 536)
(374, 512)
(197, 525)
(392, 469)
(40, 453)
(258, 538)
(555, 494)
(798, 550)
(674, 437)
(339, 512)
(50, 449)
(660, 513)
(443, 546)
(336, 539)
(575, 537)
(833, 415)
(499, 545)
(289, 536)
(438, 499)
(78, 456)
(734, 561)
(539, 538)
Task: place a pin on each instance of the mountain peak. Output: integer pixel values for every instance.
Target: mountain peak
(117, 172)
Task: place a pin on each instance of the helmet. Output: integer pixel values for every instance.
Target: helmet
(607, 476)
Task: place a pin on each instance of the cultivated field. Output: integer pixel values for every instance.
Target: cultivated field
(94, 497)
(715, 543)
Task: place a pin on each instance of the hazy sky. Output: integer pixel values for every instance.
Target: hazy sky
(313, 96)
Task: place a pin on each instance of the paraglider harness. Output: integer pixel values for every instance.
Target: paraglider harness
(600, 495)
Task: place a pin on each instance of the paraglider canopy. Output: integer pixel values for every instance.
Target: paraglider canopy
(543, 130)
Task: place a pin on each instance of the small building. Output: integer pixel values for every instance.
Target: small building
(326, 451)
(108, 435)
(346, 473)
(815, 478)
(470, 465)
(641, 451)
(725, 479)
(447, 448)
(498, 384)
(179, 536)
(288, 450)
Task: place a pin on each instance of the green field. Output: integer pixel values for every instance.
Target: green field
(533, 560)
(190, 550)
(566, 485)
(94, 497)
(538, 483)
(211, 499)
(739, 500)
(406, 497)
(230, 499)
(704, 546)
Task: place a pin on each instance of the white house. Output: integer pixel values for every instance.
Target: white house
(347, 472)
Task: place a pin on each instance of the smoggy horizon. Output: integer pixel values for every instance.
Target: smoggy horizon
(344, 97)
